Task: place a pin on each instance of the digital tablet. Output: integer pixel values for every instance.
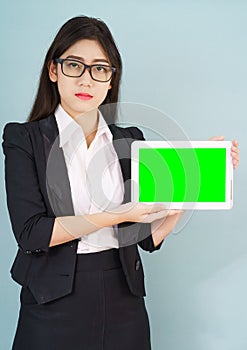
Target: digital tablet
(182, 174)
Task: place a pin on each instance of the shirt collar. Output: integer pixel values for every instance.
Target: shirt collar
(67, 126)
(103, 128)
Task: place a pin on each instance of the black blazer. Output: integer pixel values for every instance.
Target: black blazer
(49, 271)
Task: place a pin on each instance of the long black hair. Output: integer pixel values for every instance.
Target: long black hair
(77, 28)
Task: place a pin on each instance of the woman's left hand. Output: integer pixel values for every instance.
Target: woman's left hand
(234, 150)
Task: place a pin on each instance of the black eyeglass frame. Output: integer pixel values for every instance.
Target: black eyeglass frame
(86, 66)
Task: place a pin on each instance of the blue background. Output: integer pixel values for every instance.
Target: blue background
(188, 59)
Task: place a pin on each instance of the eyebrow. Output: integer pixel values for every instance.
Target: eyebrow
(94, 61)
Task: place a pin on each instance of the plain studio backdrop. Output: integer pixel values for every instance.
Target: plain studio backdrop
(187, 59)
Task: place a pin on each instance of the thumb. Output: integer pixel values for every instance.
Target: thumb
(217, 138)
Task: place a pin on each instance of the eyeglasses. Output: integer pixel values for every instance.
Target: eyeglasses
(75, 69)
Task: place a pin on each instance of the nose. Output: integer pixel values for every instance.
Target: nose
(86, 78)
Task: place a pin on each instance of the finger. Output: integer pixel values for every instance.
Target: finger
(235, 152)
(235, 156)
(175, 212)
(161, 215)
(217, 138)
(155, 216)
(155, 207)
(235, 143)
(235, 149)
(235, 164)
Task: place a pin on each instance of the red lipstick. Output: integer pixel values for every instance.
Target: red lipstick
(84, 96)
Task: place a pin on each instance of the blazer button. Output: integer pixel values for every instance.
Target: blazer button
(37, 250)
(138, 264)
(28, 252)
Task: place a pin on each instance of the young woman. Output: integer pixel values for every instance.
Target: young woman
(81, 288)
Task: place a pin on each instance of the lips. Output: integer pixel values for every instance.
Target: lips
(84, 96)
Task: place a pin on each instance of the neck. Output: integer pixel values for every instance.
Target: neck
(89, 124)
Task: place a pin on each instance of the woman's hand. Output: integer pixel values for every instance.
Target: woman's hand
(234, 150)
(67, 228)
(163, 227)
(141, 212)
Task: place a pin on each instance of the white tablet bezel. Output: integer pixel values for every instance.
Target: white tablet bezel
(136, 145)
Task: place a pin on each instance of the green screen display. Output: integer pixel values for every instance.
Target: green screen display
(182, 174)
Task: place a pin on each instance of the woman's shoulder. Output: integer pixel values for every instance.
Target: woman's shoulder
(20, 128)
(17, 133)
(14, 129)
(15, 126)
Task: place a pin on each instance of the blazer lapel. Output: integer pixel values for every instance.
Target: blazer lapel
(128, 232)
(57, 180)
(122, 146)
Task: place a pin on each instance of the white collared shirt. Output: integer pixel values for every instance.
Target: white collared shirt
(94, 174)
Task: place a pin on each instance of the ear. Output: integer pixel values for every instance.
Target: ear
(52, 68)
(109, 87)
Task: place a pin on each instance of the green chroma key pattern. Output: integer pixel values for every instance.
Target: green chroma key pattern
(182, 174)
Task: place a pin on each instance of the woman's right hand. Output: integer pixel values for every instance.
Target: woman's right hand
(141, 212)
(67, 228)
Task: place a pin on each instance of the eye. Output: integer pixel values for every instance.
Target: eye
(101, 69)
(72, 64)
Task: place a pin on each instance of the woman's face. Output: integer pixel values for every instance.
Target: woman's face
(72, 90)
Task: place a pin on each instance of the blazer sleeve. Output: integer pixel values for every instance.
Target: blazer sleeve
(28, 215)
(147, 243)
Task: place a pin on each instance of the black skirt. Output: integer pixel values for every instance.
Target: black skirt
(100, 313)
